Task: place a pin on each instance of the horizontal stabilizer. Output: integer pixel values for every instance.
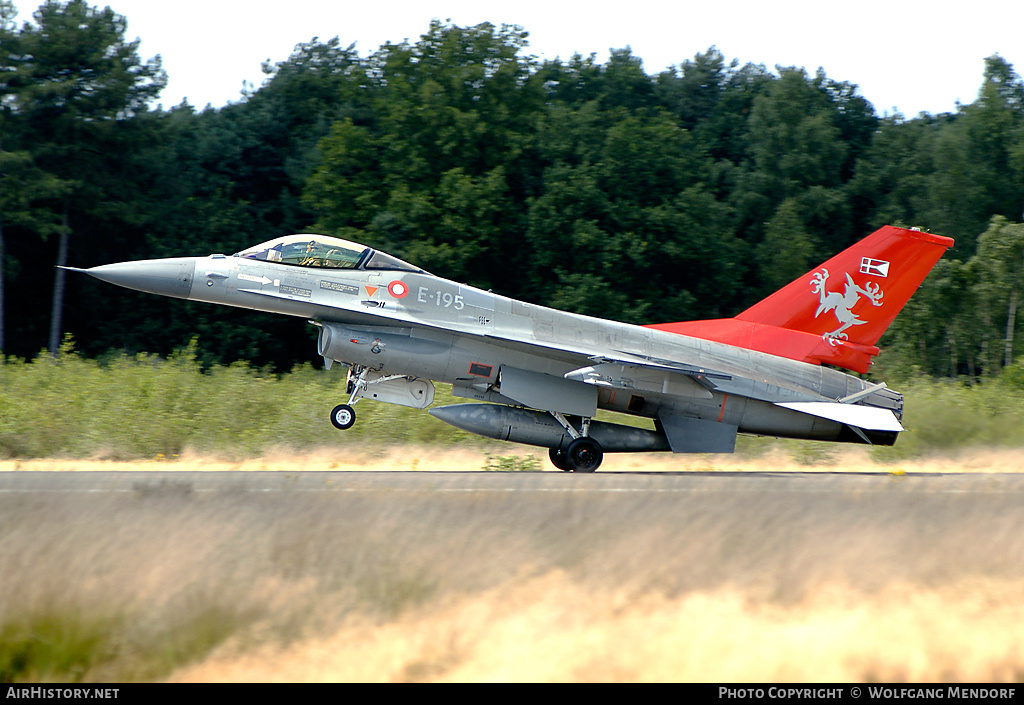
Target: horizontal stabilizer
(869, 418)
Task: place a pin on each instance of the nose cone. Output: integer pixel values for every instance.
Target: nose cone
(167, 277)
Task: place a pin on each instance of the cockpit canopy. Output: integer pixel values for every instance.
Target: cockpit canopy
(323, 251)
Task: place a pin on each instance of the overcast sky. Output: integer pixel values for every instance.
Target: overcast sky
(904, 55)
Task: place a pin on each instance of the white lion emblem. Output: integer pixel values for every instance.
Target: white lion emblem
(842, 304)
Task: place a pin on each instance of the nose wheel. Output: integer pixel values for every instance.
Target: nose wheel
(343, 417)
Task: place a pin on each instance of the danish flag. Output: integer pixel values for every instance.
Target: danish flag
(875, 267)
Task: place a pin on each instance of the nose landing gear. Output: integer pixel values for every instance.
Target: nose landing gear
(343, 417)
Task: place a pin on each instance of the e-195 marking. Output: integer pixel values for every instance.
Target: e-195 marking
(441, 298)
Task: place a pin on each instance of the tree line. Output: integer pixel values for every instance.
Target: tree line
(593, 187)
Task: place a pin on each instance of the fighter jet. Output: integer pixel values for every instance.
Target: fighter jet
(538, 376)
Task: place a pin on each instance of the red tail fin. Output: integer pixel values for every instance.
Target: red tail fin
(836, 312)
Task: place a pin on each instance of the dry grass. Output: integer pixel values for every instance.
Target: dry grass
(552, 628)
(883, 583)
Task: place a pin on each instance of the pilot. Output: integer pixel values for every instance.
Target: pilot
(311, 259)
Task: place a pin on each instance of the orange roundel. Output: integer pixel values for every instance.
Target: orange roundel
(398, 289)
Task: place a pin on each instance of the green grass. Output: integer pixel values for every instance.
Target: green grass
(146, 407)
(140, 407)
(69, 643)
(947, 416)
(54, 643)
(512, 463)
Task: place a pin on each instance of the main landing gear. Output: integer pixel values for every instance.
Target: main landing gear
(583, 454)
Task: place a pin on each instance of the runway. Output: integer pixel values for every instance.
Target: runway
(689, 482)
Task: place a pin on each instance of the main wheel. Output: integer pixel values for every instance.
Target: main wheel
(584, 455)
(343, 416)
(560, 459)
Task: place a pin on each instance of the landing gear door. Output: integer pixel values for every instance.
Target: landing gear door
(547, 392)
(404, 391)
